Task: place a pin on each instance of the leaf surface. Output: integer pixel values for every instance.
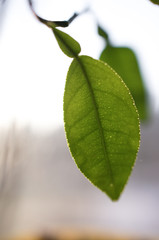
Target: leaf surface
(125, 63)
(155, 1)
(68, 45)
(101, 124)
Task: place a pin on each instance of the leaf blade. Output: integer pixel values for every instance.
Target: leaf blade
(124, 61)
(68, 45)
(155, 1)
(94, 124)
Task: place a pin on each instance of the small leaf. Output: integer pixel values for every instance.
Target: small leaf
(124, 62)
(155, 1)
(67, 44)
(103, 33)
(101, 124)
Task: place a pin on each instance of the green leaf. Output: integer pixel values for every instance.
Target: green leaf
(101, 124)
(67, 44)
(125, 63)
(103, 33)
(155, 1)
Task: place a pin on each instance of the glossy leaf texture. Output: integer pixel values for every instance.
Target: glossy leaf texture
(68, 45)
(123, 60)
(101, 124)
(155, 1)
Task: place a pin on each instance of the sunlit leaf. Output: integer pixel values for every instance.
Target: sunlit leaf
(155, 1)
(67, 44)
(101, 124)
(125, 63)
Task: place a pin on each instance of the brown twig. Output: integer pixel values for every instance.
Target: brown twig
(53, 24)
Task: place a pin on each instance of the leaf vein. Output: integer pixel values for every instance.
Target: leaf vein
(115, 96)
(76, 92)
(86, 135)
(80, 119)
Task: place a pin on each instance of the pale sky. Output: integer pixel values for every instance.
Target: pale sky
(33, 69)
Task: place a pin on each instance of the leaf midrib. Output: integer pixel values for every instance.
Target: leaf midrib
(98, 120)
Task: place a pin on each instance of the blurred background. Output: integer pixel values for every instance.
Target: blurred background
(41, 189)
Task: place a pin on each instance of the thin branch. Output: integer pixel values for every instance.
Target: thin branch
(53, 24)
